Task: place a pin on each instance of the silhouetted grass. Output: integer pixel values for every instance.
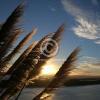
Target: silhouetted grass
(9, 29)
(6, 60)
(60, 77)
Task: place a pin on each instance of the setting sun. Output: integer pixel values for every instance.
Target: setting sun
(49, 69)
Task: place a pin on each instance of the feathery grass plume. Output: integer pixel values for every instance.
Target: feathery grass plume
(9, 44)
(4, 64)
(10, 24)
(44, 58)
(22, 72)
(16, 64)
(20, 59)
(57, 35)
(9, 28)
(24, 41)
(60, 77)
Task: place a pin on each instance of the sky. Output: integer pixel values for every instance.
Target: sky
(82, 20)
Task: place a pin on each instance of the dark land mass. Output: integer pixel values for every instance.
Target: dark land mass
(73, 81)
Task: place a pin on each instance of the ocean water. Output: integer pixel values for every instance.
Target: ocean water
(66, 93)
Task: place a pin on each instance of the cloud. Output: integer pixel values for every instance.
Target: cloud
(88, 22)
(88, 66)
(97, 42)
(87, 59)
(72, 8)
(86, 29)
(93, 69)
(95, 2)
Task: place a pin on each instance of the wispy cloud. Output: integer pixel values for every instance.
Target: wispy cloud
(87, 66)
(90, 65)
(97, 42)
(72, 8)
(95, 2)
(89, 59)
(86, 29)
(88, 23)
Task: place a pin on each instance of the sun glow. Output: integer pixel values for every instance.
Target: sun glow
(49, 69)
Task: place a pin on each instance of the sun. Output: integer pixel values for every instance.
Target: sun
(49, 69)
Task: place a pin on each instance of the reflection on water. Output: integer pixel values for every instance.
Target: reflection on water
(70, 93)
(46, 96)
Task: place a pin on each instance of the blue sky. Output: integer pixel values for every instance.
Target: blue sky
(82, 19)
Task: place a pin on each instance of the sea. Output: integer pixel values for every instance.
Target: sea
(66, 93)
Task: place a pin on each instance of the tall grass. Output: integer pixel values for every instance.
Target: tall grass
(9, 29)
(44, 58)
(22, 72)
(60, 77)
(29, 65)
(20, 59)
(16, 64)
(4, 63)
